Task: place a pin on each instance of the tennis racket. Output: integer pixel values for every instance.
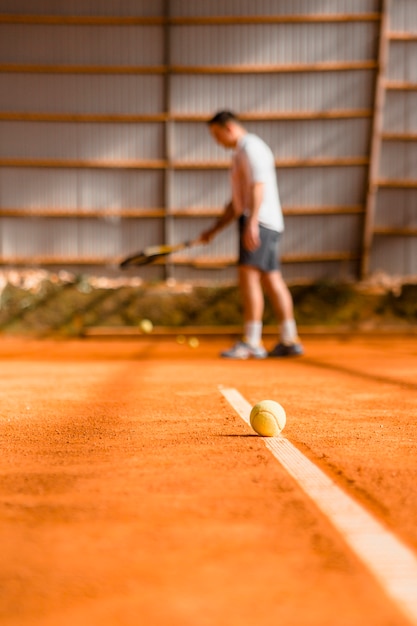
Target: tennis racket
(153, 253)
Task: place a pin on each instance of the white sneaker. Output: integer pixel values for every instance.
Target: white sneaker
(242, 350)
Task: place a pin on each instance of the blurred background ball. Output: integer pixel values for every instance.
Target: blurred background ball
(146, 326)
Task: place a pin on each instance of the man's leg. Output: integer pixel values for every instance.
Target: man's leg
(279, 295)
(252, 293)
(253, 308)
(253, 303)
(283, 307)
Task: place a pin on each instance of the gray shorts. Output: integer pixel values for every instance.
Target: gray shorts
(266, 257)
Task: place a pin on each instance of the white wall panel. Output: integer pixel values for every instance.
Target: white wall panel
(140, 8)
(399, 160)
(137, 234)
(86, 93)
(394, 255)
(270, 44)
(81, 45)
(400, 113)
(320, 234)
(402, 64)
(71, 238)
(88, 189)
(313, 91)
(403, 16)
(315, 138)
(224, 245)
(200, 8)
(330, 186)
(192, 143)
(200, 189)
(312, 186)
(106, 142)
(397, 208)
(302, 139)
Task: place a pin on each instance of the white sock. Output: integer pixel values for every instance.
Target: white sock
(289, 331)
(253, 333)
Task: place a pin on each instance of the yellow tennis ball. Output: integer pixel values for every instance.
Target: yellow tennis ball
(267, 418)
(193, 342)
(146, 326)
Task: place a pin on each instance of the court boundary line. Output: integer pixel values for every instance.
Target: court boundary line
(390, 561)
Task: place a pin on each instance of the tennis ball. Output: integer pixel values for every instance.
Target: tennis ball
(193, 342)
(267, 418)
(146, 326)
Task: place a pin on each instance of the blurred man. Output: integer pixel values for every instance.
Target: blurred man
(255, 204)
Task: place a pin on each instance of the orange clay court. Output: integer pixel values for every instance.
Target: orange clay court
(133, 493)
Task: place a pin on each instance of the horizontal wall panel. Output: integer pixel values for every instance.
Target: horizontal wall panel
(344, 186)
(200, 189)
(76, 238)
(190, 8)
(137, 234)
(71, 141)
(403, 16)
(394, 255)
(81, 45)
(141, 8)
(400, 113)
(316, 138)
(74, 93)
(321, 234)
(288, 139)
(225, 244)
(312, 91)
(269, 44)
(81, 189)
(207, 8)
(402, 62)
(396, 208)
(399, 160)
(315, 186)
(193, 143)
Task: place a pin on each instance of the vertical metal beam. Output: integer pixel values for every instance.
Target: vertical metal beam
(375, 151)
(168, 135)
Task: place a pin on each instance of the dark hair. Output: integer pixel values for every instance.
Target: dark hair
(222, 118)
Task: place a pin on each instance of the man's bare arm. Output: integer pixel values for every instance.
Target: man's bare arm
(224, 220)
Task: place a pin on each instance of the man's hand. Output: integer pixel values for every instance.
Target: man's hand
(225, 218)
(207, 235)
(250, 237)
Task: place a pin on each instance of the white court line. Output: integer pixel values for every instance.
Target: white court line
(389, 560)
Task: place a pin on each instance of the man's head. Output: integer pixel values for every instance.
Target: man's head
(226, 129)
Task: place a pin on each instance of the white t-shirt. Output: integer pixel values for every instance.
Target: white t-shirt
(253, 162)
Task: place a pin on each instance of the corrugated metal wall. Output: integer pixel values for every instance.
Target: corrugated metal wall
(304, 81)
(394, 246)
(104, 147)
